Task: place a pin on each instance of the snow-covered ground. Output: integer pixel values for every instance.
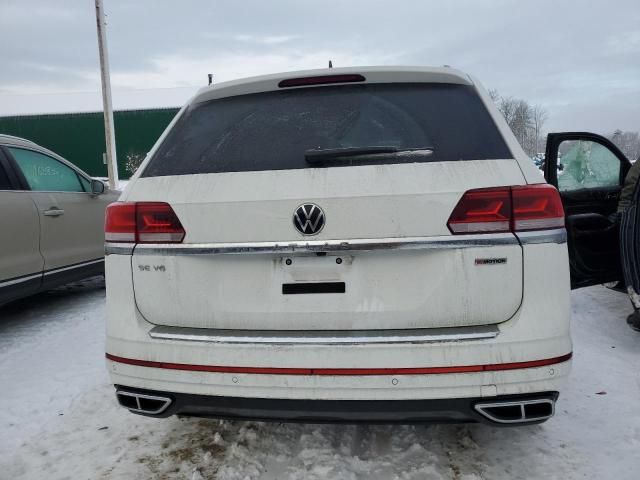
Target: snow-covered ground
(59, 418)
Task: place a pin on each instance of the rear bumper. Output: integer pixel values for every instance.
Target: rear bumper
(319, 368)
(344, 384)
(451, 410)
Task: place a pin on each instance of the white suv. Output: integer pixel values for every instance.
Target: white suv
(365, 244)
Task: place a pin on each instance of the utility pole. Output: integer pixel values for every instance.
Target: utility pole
(109, 132)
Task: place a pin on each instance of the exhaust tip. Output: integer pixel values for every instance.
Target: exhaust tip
(519, 411)
(143, 403)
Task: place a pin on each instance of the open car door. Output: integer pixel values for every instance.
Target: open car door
(588, 171)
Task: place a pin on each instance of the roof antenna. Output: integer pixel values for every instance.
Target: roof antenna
(330, 64)
(210, 75)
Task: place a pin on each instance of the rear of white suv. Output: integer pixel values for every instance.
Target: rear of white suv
(339, 245)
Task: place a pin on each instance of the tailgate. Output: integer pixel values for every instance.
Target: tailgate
(385, 258)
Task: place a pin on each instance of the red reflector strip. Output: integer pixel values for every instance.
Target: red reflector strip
(342, 371)
(320, 80)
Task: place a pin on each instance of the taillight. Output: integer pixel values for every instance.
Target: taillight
(507, 209)
(142, 222)
(536, 207)
(120, 222)
(482, 210)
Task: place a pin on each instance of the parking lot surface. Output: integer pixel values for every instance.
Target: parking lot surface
(59, 417)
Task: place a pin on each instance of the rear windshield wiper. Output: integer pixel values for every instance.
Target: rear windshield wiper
(373, 153)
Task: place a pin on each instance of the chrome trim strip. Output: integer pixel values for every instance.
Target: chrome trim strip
(558, 235)
(480, 408)
(347, 337)
(111, 248)
(50, 272)
(19, 280)
(72, 267)
(359, 244)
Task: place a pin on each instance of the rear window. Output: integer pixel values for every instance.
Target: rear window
(273, 130)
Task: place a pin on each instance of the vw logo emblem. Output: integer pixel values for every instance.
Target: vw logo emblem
(308, 219)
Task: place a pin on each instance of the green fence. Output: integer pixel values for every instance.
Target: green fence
(79, 137)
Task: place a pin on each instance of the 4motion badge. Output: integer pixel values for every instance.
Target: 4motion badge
(491, 261)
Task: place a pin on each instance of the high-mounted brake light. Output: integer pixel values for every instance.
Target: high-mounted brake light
(142, 222)
(320, 80)
(507, 209)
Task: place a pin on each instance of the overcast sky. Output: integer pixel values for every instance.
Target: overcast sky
(580, 59)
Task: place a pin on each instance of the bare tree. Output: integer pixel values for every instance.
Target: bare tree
(495, 96)
(133, 161)
(628, 142)
(539, 118)
(507, 107)
(526, 121)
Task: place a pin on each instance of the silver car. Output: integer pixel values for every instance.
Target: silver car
(52, 217)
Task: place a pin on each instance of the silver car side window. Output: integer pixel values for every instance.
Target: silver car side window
(44, 173)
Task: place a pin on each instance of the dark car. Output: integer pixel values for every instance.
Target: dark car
(589, 172)
(630, 248)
